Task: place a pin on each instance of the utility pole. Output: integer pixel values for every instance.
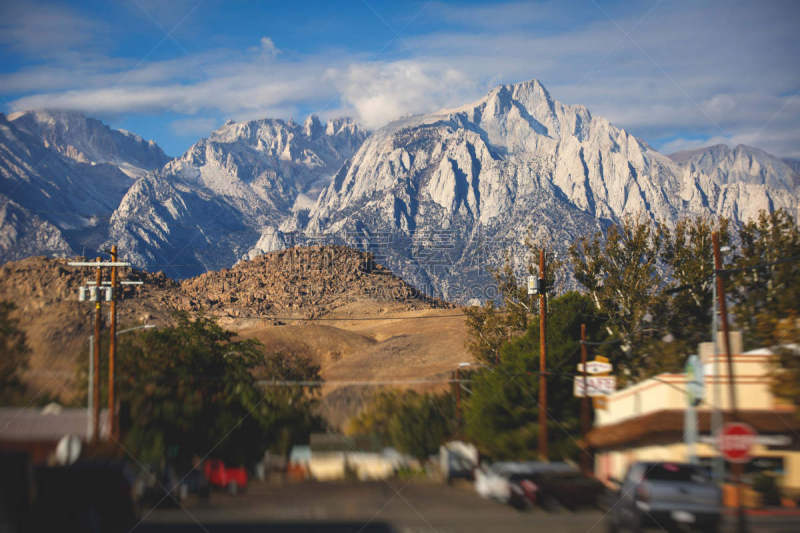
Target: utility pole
(96, 374)
(112, 349)
(585, 415)
(543, 455)
(726, 342)
(458, 398)
(716, 414)
(90, 393)
(94, 294)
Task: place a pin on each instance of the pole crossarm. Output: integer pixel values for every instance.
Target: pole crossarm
(99, 263)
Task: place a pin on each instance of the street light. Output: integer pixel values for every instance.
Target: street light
(90, 401)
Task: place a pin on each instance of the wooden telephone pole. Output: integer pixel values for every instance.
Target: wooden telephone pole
(543, 455)
(726, 342)
(112, 350)
(96, 357)
(585, 414)
(95, 296)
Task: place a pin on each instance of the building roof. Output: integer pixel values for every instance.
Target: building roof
(667, 426)
(31, 424)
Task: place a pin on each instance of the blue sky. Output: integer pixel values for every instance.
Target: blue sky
(678, 74)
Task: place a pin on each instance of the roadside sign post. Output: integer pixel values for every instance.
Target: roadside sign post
(695, 392)
(594, 381)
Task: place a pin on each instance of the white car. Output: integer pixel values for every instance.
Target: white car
(492, 484)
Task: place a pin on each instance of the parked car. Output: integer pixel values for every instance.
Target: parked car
(503, 481)
(666, 495)
(233, 479)
(524, 493)
(492, 482)
(567, 489)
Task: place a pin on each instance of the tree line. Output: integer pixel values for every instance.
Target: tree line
(645, 292)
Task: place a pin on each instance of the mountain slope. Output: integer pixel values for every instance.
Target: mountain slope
(87, 140)
(466, 184)
(740, 181)
(226, 195)
(69, 172)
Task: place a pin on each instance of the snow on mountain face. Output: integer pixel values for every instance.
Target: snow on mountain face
(23, 234)
(466, 184)
(225, 197)
(87, 140)
(740, 181)
(50, 179)
(438, 198)
(794, 164)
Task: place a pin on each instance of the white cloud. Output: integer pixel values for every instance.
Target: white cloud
(268, 47)
(381, 92)
(46, 31)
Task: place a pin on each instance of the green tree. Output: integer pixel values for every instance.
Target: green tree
(491, 325)
(619, 270)
(786, 363)
(413, 423)
(501, 414)
(14, 352)
(190, 390)
(766, 285)
(687, 303)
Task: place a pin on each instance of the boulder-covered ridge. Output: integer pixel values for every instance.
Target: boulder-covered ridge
(302, 282)
(306, 281)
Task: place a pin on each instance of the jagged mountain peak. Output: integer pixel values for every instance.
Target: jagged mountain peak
(88, 140)
(251, 131)
(740, 164)
(485, 172)
(229, 191)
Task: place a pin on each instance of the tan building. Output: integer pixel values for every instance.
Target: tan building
(646, 421)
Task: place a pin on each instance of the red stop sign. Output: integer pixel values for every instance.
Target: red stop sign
(735, 441)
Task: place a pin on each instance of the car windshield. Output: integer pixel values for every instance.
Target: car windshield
(675, 472)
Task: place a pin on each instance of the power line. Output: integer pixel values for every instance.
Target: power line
(343, 319)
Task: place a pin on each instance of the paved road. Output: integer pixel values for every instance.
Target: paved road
(395, 506)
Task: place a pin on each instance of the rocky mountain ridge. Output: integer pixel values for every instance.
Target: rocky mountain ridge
(63, 175)
(518, 162)
(221, 200)
(439, 198)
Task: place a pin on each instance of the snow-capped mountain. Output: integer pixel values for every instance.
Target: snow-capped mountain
(225, 197)
(441, 197)
(62, 176)
(87, 140)
(438, 198)
(741, 181)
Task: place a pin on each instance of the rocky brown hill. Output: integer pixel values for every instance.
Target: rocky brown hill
(306, 282)
(300, 282)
